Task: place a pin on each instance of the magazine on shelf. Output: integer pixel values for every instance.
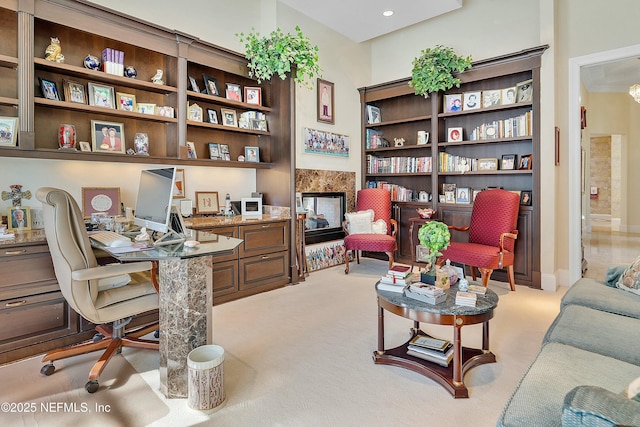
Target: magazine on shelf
(442, 359)
(430, 343)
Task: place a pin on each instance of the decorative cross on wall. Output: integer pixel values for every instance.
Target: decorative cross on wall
(16, 194)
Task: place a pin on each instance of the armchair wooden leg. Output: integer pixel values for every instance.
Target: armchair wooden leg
(512, 280)
(473, 272)
(346, 262)
(486, 274)
(390, 255)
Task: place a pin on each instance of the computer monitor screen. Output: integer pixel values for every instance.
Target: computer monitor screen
(155, 194)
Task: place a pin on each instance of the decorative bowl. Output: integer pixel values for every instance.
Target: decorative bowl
(425, 213)
(91, 62)
(130, 72)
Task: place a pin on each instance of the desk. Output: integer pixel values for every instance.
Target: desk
(186, 303)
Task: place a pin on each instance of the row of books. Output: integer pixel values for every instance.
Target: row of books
(399, 164)
(506, 128)
(398, 192)
(113, 61)
(431, 349)
(454, 163)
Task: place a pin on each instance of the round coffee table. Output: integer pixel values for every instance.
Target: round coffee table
(450, 377)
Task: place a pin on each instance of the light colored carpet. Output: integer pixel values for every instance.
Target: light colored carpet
(302, 356)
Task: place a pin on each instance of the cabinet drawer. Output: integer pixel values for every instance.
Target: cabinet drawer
(264, 238)
(228, 232)
(33, 319)
(225, 278)
(260, 270)
(26, 270)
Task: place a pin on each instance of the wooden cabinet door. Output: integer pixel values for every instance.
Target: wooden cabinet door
(263, 270)
(264, 238)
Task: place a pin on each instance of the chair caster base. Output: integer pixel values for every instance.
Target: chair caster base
(47, 369)
(92, 386)
(156, 334)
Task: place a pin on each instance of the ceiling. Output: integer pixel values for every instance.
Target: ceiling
(614, 76)
(362, 20)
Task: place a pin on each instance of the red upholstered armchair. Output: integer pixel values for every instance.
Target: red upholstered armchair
(492, 234)
(371, 232)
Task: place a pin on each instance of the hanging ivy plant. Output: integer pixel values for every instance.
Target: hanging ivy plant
(433, 70)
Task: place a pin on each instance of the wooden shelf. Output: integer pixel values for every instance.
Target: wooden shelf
(8, 101)
(398, 121)
(226, 128)
(8, 61)
(226, 102)
(44, 102)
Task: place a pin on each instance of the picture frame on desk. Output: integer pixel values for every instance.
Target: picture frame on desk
(8, 131)
(211, 85)
(19, 218)
(49, 89)
(107, 137)
(74, 92)
(207, 202)
(101, 95)
(100, 199)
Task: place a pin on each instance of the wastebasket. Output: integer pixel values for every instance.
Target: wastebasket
(206, 378)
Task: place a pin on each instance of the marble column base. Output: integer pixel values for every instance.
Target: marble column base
(186, 302)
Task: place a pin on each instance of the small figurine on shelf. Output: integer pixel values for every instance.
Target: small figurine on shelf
(53, 52)
(398, 142)
(132, 72)
(91, 62)
(157, 78)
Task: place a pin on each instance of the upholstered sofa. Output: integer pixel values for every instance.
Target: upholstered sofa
(589, 357)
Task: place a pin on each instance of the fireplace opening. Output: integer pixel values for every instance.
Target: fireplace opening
(325, 212)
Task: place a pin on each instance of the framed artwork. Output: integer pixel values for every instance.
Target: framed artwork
(229, 117)
(449, 196)
(141, 144)
(454, 134)
(373, 114)
(207, 202)
(233, 92)
(253, 95)
(214, 151)
(179, 188)
(107, 137)
(126, 101)
(19, 218)
(212, 115)
(252, 154)
(49, 89)
(488, 164)
(329, 143)
(194, 113)
(101, 95)
(258, 124)
(525, 198)
(491, 98)
(85, 146)
(471, 100)
(453, 103)
(8, 131)
(74, 92)
(508, 162)
(165, 111)
(462, 195)
(224, 152)
(100, 199)
(325, 102)
(524, 91)
(525, 162)
(191, 150)
(211, 85)
(193, 84)
(146, 108)
(509, 95)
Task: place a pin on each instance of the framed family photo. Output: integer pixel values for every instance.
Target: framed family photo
(524, 91)
(325, 102)
(212, 115)
(453, 103)
(194, 113)
(525, 162)
(253, 95)
(214, 151)
(146, 108)
(74, 92)
(252, 154)
(471, 100)
(211, 85)
(229, 117)
(107, 137)
(101, 95)
(49, 89)
(126, 101)
(373, 114)
(193, 84)
(8, 131)
(508, 162)
(233, 92)
(19, 218)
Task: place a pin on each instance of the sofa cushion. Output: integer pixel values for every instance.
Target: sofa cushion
(589, 406)
(594, 294)
(630, 279)
(598, 331)
(558, 368)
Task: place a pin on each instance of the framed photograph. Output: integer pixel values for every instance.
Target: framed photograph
(224, 152)
(229, 117)
(49, 89)
(454, 134)
(373, 114)
(234, 92)
(107, 137)
(474, 193)
(253, 95)
(453, 103)
(525, 162)
(524, 91)
(325, 102)
(252, 154)
(101, 95)
(509, 95)
(214, 151)
(212, 115)
(449, 196)
(165, 111)
(488, 164)
(8, 131)
(508, 162)
(146, 108)
(258, 124)
(471, 100)
(19, 218)
(211, 85)
(191, 150)
(100, 199)
(207, 202)
(462, 195)
(74, 92)
(85, 146)
(491, 98)
(193, 84)
(194, 113)
(179, 188)
(126, 101)
(525, 198)
(141, 144)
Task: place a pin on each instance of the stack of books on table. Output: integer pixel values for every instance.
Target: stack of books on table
(396, 279)
(477, 289)
(431, 349)
(426, 293)
(466, 298)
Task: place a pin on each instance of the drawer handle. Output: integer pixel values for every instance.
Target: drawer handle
(16, 303)
(266, 226)
(265, 256)
(18, 252)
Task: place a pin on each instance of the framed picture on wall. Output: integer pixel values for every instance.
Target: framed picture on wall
(100, 199)
(179, 188)
(325, 102)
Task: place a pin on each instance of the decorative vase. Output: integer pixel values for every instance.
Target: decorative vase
(67, 137)
(130, 72)
(91, 62)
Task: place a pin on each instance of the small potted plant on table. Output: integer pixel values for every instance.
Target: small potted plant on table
(435, 236)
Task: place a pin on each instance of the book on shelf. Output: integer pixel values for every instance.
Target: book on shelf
(430, 343)
(393, 280)
(466, 298)
(438, 299)
(399, 271)
(442, 359)
(477, 289)
(390, 287)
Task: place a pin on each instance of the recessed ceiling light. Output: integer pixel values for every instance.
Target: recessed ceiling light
(387, 13)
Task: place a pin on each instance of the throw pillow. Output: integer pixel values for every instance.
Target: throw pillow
(359, 222)
(379, 227)
(613, 274)
(630, 279)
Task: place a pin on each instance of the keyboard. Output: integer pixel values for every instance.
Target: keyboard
(111, 239)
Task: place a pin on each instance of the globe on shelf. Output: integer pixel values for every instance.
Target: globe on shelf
(91, 62)
(130, 72)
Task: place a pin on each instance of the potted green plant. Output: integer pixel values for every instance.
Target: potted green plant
(433, 70)
(279, 53)
(435, 236)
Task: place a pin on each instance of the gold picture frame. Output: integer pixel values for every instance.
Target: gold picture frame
(207, 202)
(126, 102)
(74, 92)
(488, 164)
(19, 218)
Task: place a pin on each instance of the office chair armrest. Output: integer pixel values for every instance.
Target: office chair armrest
(453, 227)
(111, 270)
(513, 235)
(394, 227)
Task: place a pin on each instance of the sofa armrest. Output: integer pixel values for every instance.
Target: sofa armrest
(594, 406)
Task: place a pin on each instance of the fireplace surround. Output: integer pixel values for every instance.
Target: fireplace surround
(325, 213)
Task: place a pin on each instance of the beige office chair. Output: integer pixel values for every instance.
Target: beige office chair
(101, 294)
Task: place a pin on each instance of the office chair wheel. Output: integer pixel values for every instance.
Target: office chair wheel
(156, 334)
(97, 337)
(92, 386)
(47, 369)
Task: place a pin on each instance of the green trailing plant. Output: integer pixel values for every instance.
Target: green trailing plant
(435, 236)
(279, 53)
(433, 70)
